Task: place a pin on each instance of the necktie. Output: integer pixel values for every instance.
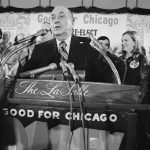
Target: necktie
(62, 50)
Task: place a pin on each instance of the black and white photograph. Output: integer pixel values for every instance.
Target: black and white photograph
(74, 75)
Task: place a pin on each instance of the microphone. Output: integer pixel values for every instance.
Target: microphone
(63, 65)
(32, 37)
(52, 66)
(73, 72)
(98, 45)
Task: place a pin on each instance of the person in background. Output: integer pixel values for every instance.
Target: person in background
(137, 73)
(23, 54)
(5, 43)
(12, 64)
(137, 65)
(106, 42)
(118, 62)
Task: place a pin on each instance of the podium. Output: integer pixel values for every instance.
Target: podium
(49, 106)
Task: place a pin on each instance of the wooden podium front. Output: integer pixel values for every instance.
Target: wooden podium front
(51, 117)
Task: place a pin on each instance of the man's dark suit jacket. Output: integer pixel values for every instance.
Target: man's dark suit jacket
(81, 54)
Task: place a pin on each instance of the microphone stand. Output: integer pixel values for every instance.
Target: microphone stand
(5, 59)
(99, 47)
(6, 49)
(72, 100)
(31, 41)
(79, 87)
(66, 77)
(32, 37)
(81, 110)
(28, 38)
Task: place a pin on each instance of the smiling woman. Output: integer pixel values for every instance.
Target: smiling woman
(137, 73)
(137, 70)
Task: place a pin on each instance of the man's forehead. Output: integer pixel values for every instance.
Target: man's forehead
(104, 41)
(60, 9)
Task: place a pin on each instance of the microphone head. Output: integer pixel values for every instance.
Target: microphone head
(42, 32)
(53, 66)
(71, 65)
(90, 35)
(16, 43)
(73, 72)
(62, 63)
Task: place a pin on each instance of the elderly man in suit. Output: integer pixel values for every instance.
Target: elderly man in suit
(77, 49)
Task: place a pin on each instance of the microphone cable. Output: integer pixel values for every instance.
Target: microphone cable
(81, 106)
(125, 71)
(81, 100)
(125, 65)
(71, 100)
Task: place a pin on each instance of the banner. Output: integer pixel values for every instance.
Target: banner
(15, 23)
(36, 21)
(110, 25)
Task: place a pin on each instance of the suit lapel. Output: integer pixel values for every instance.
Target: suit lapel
(54, 45)
(74, 49)
(56, 56)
